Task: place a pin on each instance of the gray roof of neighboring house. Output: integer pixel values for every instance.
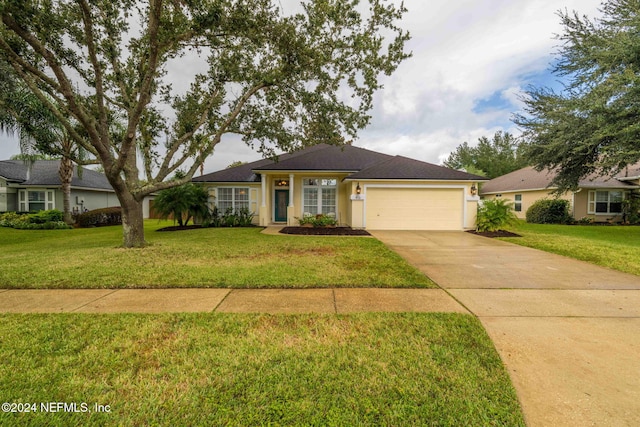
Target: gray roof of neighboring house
(630, 172)
(365, 164)
(45, 173)
(530, 179)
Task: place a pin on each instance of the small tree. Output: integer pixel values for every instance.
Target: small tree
(183, 203)
(494, 215)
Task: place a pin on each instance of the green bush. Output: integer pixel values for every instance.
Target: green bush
(43, 220)
(320, 220)
(494, 215)
(42, 217)
(242, 217)
(549, 211)
(50, 225)
(100, 217)
(631, 209)
(8, 218)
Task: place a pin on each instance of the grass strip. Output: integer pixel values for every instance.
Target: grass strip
(611, 246)
(215, 369)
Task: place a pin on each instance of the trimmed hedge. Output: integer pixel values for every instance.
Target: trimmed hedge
(549, 211)
(100, 217)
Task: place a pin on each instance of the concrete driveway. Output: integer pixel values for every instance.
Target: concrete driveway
(568, 331)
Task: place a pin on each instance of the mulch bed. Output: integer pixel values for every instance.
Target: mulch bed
(492, 234)
(320, 231)
(180, 227)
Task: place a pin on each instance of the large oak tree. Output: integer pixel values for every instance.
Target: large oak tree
(280, 79)
(593, 125)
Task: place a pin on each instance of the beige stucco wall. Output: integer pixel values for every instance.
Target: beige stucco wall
(255, 195)
(413, 204)
(529, 198)
(582, 209)
(348, 212)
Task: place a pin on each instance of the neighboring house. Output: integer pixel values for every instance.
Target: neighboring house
(359, 188)
(598, 198)
(24, 189)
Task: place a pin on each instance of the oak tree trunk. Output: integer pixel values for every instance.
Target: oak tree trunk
(132, 222)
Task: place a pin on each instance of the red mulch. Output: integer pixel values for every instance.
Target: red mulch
(492, 234)
(322, 231)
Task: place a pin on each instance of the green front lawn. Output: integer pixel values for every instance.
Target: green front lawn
(222, 369)
(616, 247)
(212, 257)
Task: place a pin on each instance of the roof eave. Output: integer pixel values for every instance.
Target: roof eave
(304, 170)
(412, 179)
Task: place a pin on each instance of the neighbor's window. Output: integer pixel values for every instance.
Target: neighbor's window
(35, 200)
(232, 198)
(605, 202)
(319, 196)
(517, 206)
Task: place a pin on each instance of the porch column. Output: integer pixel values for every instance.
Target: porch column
(290, 190)
(263, 216)
(290, 209)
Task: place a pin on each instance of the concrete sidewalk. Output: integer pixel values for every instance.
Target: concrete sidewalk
(287, 301)
(567, 331)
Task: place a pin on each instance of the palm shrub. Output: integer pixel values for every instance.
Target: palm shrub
(549, 211)
(182, 202)
(494, 215)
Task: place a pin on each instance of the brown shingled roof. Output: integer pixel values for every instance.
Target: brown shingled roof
(364, 164)
(530, 179)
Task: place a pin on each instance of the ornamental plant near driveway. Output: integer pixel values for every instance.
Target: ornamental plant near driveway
(494, 215)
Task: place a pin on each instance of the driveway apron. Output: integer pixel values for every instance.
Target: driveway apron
(567, 331)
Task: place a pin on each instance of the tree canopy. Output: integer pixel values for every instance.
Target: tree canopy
(491, 158)
(279, 79)
(592, 125)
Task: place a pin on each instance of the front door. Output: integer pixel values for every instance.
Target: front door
(282, 201)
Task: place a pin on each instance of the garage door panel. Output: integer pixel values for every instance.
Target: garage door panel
(414, 209)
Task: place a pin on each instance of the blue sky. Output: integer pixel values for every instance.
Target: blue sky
(471, 60)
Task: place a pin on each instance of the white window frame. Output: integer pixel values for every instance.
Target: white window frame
(24, 205)
(235, 200)
(592, 202)
(321, 187)
(517, 204)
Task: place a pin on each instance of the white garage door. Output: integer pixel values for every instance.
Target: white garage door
(414, 209)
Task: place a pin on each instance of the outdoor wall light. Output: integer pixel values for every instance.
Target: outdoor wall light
(474, 189)
(358, 189)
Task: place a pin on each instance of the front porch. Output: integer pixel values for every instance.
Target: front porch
(286, 197)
